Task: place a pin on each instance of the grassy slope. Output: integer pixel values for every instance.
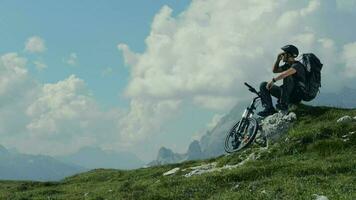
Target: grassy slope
(312, 159)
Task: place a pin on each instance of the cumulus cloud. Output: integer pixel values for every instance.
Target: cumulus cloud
(203, 55)
(16, 91)
(214, 121)
(35, 44)
(52, 118)
(143, 118)
(130, 57)
(59, 106)
(65, 113)
(349, 56)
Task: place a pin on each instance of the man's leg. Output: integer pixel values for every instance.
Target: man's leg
(287, 90)
(266, 94)
(267, 99)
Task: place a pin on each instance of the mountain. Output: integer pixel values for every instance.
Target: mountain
(210, 144)
(17, 166)
(3, 150)
(167, 156)
(194, 151)
(345, 98)
(94, 157)
(314, 159)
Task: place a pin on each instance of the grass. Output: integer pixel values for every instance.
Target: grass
(317, 156)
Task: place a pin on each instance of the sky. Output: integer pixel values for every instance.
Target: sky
(137, 75)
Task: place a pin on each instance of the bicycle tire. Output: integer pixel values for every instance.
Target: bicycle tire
(232, 134)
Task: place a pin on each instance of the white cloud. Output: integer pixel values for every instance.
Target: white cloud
(65, 115)
(346, 5)
(130, 58)
(214, 102)
(53, 118)
(144, 118)
(13, 72)
(16, 90)
(35, 44)
(214, 121)
(59, 106)
(292, 17)
(349, 56)
(72, 59)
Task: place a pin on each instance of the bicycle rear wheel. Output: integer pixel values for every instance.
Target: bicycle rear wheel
(238, 139)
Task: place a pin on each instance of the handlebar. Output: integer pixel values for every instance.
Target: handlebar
(252, 89)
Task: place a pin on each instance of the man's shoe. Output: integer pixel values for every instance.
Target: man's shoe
(266, 112)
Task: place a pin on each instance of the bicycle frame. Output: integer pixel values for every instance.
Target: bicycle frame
(249, 111)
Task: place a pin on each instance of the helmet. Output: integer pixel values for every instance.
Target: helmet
(291, 49)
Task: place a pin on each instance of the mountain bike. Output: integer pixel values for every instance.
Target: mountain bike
(244, 131)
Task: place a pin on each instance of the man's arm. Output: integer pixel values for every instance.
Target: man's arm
(276, 68)
(286, 73)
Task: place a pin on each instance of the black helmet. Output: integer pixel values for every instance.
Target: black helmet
(291, 49)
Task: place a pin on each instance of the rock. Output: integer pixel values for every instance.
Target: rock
(276, 125)
(290, 117)
(236, 187)
(201, 169)
(166, 156)
(344, 119)
(320, 197)
(194, 151)
(354, 118)
(172, 171)
(211, 167)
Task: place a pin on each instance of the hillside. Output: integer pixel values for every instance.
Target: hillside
(315, 157)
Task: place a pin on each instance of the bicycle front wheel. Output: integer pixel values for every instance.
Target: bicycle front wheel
(238, 139)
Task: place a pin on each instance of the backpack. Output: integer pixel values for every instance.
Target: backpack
(313, 68)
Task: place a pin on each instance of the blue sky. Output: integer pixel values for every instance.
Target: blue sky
(90, 29)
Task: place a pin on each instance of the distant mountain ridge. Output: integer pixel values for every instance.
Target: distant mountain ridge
(345, 98)
(211, 144)
(95, 157)
(18, 166)
(167, 156)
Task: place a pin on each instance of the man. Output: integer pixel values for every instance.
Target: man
(293, 75)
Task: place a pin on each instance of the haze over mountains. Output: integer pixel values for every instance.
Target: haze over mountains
(94, 157)
(19, 166)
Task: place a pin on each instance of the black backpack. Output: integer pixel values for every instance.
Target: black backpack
(313, 68)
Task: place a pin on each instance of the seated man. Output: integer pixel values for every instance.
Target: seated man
(293, 75)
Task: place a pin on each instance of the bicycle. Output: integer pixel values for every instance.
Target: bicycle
(244, 131)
